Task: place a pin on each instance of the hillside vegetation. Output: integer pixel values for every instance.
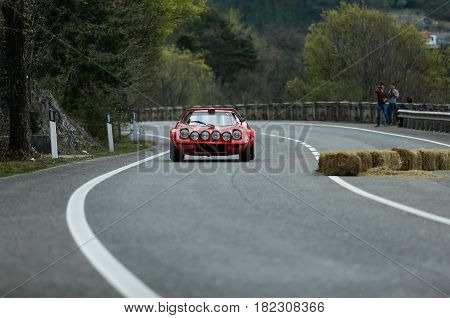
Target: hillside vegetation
(118, 56)
(301, 13)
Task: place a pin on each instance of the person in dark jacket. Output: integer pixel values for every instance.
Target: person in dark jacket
(382, 107)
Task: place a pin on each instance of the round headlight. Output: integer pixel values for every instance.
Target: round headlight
(195, 135)
(226, 136)
(205, 135)
(184, 133)
(237, 134)
(215, 135)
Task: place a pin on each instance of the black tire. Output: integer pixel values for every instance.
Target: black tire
(252, 152)
(175, 154)
(246, 155)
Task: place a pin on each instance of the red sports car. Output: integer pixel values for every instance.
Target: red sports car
(212, 132)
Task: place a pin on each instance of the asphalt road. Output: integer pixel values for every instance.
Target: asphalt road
(221, 228)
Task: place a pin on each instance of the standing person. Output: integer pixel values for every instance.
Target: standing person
(381, 108)
(393, 95)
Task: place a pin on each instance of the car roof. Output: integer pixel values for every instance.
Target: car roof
(220, 109)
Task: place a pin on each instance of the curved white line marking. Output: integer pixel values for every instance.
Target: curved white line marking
(398, 206)
(369, 130)
(151, 135)
(125, 282)
(360, 192)
(117, 274)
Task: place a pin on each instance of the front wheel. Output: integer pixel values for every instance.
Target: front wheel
(175, 154)
(248, 154)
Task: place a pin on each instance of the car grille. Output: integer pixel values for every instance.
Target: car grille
(210, 148)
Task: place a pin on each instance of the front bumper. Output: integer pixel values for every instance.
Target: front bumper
(209, 148)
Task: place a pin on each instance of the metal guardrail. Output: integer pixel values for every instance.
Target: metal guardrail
(358, 112)
(425, 120)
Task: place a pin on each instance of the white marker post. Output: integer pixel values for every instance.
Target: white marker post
(53, 135)
(134, 133)
(110, 132)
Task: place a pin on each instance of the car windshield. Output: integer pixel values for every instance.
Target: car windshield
(216, 119)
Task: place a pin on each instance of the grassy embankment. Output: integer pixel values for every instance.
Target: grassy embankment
(9, 168)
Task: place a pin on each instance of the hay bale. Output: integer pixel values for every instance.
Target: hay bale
(366, 160)
(386, 158)
(411, 159)
(443, 160)
(340, 164)
(430, 159)
(448, 160)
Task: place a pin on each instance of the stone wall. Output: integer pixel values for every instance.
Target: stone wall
(358, 112)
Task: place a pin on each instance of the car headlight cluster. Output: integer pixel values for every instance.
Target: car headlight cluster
(184, 133)
(205, 135)
(195, 135)
(226, 136)
(237, 134)
(215, 135)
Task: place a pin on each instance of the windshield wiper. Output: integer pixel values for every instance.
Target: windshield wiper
(202, 123)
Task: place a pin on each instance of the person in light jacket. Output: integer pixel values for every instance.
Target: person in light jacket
(392, 95)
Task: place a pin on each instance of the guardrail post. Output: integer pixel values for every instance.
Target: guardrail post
(310, 113)
(53, 134)
(110, 132)
(295, 111)
(263, 112)
(134, 128)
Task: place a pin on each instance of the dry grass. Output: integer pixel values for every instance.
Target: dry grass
(383, 172)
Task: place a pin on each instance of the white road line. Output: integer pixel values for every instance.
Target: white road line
(395, 205)
(369, 130)
(125, 282)
(373, 197)
(150, 135)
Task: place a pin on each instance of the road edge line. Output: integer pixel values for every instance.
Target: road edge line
(114, 272)
(365, 194)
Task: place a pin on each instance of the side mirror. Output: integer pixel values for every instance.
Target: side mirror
(243, 119)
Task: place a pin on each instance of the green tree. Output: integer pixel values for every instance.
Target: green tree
(150, 23)
(183, 79)
(355, 48)
(225, 50)
(83, 66)
(106, 53)
(15, 13)
(431, 5)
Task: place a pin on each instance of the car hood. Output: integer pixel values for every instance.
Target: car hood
(200, 129)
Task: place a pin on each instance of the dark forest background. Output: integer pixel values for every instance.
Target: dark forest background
(99, 56)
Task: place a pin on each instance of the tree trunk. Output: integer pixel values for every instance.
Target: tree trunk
(19, 114)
